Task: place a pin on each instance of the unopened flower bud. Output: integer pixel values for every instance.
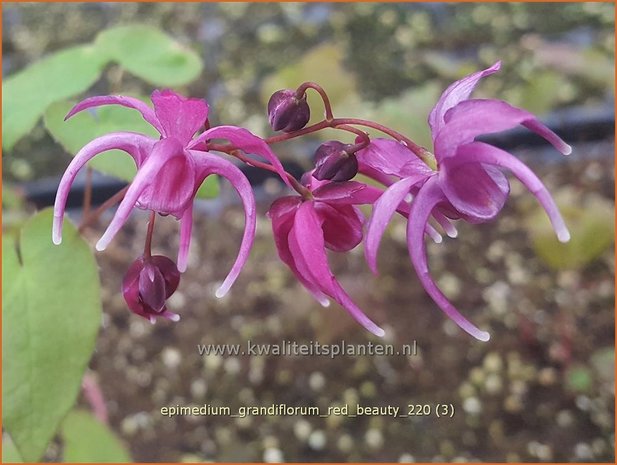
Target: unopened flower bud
(333, 162)
(147, 285)
(287, 112)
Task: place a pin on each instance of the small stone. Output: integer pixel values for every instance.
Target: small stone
(272, 455)
(317, 381)
(302, 429)
(472, 406)
(345, 443)
(171, 357)
(374, 438)
(317, 440)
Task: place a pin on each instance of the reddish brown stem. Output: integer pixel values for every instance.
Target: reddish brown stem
(344, 123)
(148, 244)
(91, 219)
(324, 97)
(302, 132)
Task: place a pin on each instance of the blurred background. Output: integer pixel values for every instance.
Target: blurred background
(542, 389)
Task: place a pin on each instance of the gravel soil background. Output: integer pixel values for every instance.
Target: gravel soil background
(542, 389)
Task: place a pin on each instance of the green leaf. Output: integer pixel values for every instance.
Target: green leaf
(27, 94)
(10, 454)
(592, 226)
(87, 440)
(209, 189)
(85, 126)
(150, 54)
(51, 314)
(76, 132)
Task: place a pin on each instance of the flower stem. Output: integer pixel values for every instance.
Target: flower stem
(148, 244)
(324, 97)
(346, 123)
(419, 151)
(92, 217)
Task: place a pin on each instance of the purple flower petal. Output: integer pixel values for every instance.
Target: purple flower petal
(186, 227)
(341, 225)
(170, 273)
(478, 193)
(348, 193)
(282, 213)
(129, 102)
(245, 141)
(212, 164)
(428, 197)
(306, 244)
(161, 153)
(478, 152)
(391, 157)
(136, 145)
(454, 94)
(180, 117)
(445, 223)
(473, 118)
(152, 287)
(171, 192)
(372, 173)
(383, 210)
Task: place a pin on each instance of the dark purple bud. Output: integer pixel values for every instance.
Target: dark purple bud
(333, 162)
(287, 112)
(147, 285)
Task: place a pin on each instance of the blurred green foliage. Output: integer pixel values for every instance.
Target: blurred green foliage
(10, 454)
(142, 50)
(51, 314)
(149, 54)
(591, 222)
(87, 440)
(28, 93)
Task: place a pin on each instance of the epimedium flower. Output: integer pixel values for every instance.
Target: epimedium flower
(467, 183)
(170, 169)
(148, 283)
(304, 228)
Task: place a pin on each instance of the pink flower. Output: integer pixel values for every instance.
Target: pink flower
(171, 169)
(304, 229)
(468, 183)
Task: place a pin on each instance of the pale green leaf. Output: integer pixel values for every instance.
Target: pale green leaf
(592, 228)
(51, 314)
(87, 440)
(26, 94)
(10, 454)
(150, 54)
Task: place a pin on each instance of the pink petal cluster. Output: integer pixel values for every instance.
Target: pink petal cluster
(170, 169)
(303, 230)
(462, 179)
(468, 183)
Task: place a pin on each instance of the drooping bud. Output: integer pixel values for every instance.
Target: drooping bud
(147, 285)
(333, 162)
(287, 112)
